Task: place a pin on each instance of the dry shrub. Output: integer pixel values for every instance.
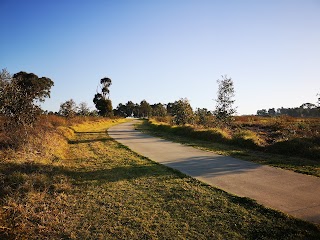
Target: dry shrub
(33, 194)
(54, 120)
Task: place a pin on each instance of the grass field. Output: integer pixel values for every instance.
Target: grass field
(247, 144)
(99, 189)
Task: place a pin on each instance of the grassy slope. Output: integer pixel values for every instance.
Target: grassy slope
(297, 164)
(102, 190)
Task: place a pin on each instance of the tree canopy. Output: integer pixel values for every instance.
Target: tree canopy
(182, 112)
(19, 94)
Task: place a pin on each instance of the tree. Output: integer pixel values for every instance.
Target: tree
(130, 107)
(105, 84)
(262, 112)
(158, 110)
(145, 109)
(19, 98)
(101, 100)
(203, 116)
(224, 103)
(19, 95)
(271, 112)
(83, 109)
(68, 108)
(120, 110)
(170, 108)
(182, 112)
(104, 106)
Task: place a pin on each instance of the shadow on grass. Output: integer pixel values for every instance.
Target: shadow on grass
(89, 137)
(102, 176)
(89, 140)
(13, 175)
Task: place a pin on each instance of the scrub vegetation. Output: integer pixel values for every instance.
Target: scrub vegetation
(285, 142)
(80, 184)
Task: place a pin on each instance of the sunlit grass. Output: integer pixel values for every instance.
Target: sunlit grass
(102, 190)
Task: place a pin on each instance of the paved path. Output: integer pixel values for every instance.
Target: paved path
(293, 193)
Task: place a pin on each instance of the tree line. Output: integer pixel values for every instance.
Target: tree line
(179, 111)
(305, 110)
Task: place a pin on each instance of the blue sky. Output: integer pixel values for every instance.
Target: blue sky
(164, 50)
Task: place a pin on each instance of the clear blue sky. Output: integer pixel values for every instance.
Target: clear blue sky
(163, 50)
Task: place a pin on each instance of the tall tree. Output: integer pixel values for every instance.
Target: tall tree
(224, 103)
(101, 100)
(105, 84)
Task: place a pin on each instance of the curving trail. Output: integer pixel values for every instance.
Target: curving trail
(292, 193)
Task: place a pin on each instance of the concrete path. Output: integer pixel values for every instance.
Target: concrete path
(293, 193)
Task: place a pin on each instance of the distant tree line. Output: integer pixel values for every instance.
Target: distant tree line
(305, 110)
(180, 111)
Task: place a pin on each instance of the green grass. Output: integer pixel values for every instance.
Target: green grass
(243, 150)
(102, 190)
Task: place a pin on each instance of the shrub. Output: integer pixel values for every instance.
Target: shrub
(305, 147)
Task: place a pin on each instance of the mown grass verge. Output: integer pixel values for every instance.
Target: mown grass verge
(102, 190)
(242, 146)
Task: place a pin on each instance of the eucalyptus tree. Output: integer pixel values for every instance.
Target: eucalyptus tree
(101, 99)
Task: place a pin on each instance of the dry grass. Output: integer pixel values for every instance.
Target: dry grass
(100, 189)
